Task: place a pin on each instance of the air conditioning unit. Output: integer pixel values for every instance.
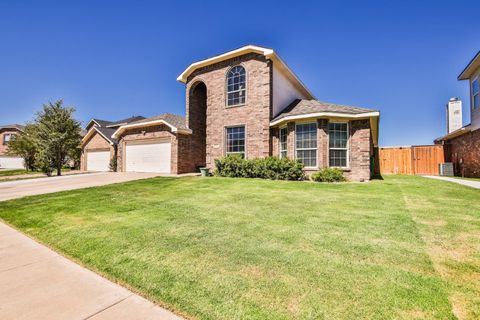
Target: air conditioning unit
(446, 169)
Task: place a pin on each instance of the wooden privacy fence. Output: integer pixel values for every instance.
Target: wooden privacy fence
(422, 160)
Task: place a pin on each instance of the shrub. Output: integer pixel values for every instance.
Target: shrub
(113, 164)
(328, 175)
(273, 168)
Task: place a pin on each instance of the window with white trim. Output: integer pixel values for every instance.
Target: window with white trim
(475, 94)
(283, 142)
(236, 86)
(306, 143)
(235, 138)
(338, 144)
(7, 137)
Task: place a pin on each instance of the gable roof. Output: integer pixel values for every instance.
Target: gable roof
(176, 123)
(267, 52)
(106, 124)
(106, 133)
(16, 126)
(473, 65)
(98, 122)
(301, 108)
(124, 121)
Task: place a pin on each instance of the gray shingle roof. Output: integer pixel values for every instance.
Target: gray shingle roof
(174, 119)
(300, 107)
(108, 132)
(124, 121)
(102, 123)
(13, 126)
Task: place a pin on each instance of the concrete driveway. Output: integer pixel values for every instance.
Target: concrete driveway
(17, 189)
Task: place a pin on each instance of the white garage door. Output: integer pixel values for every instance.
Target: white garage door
(151, 157)
(98, 161)
(11, 163)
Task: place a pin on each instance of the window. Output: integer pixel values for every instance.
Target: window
(6, 138)
(306, 143)
(338, 144)
(475, 94)
(283, 142)
(235, 138)
(236, 86)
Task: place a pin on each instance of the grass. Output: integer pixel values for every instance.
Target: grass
(219, 248)
(22, 174)
(465, 178)
(15, 172)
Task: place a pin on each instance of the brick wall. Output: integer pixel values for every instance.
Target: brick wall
(181, 147)
(464, 152)
(254, 115)
(359, 150)
(196, 121)
(322, 143)
(160, 131)
(4, 148)
(360, 147)
(95, 143)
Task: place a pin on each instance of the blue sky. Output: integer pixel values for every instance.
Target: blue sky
(114, 59)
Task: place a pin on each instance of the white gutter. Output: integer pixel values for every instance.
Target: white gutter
(455, 133)
(268, 53)
(116, 134)
(92, 120)
(326, 114)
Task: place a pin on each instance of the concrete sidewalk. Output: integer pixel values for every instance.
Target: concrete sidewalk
(37, 283)
(21, 188)
(465, 182)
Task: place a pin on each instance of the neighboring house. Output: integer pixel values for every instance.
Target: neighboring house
(248, 102)
(98, 146)
(462, 146)
(7, 132)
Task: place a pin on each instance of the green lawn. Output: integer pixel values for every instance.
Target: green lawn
(464, 178)
(22, 174)
(14, 172)
(219, 248)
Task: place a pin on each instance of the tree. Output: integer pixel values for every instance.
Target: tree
(57, 135)
(23, 145)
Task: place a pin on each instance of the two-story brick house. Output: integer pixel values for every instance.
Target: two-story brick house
(7, 132)
(462, 146)
(249, 102)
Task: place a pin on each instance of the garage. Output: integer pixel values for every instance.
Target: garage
(148, 156)
(98, 160)
(11, 163)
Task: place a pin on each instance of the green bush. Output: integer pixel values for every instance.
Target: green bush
(273, 168)
(328, 175)
(113, 164)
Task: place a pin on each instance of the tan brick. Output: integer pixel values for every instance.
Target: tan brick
(95, 143)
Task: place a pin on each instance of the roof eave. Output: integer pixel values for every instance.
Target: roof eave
(90, 122)
(117, 133)
(454, 134)
(365, 115)
(89, 134)
(268, 53)
(291, 75)
(224, 56)
(473, 65)
(12, 127)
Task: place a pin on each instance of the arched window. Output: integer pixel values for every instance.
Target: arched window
(236, 86)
